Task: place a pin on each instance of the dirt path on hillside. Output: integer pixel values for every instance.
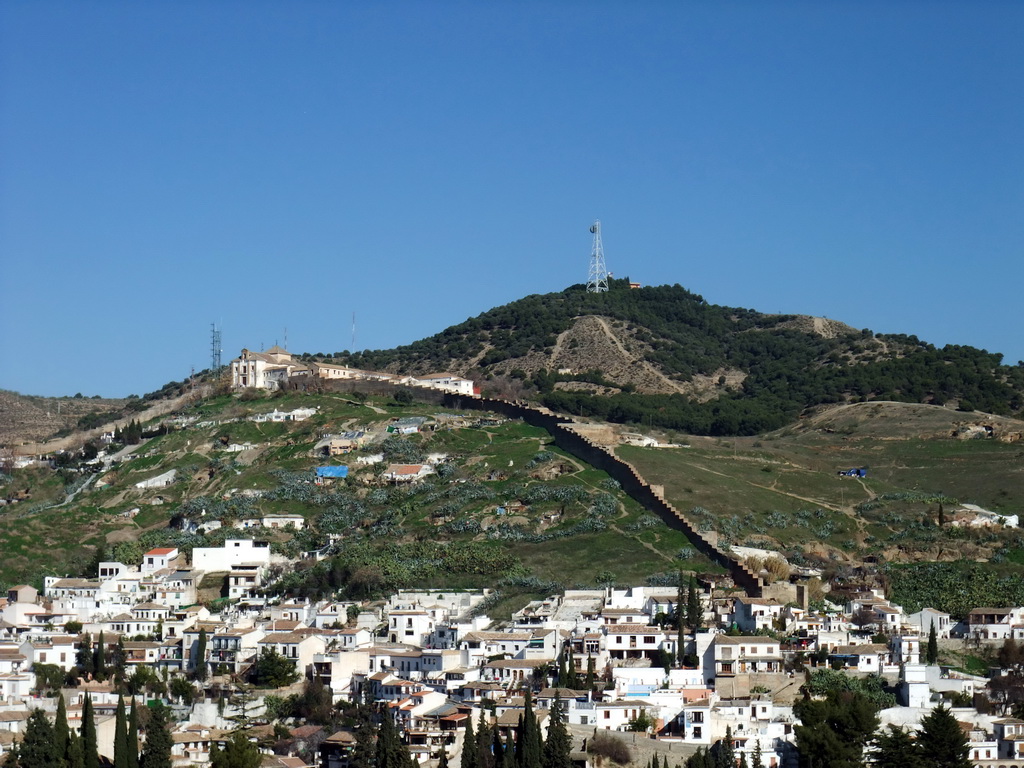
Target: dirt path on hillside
(640, 541)
(632, 359)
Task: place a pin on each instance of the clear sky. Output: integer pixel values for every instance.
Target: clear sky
(283, 165)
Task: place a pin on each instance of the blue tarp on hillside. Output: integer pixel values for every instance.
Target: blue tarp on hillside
(332, 471)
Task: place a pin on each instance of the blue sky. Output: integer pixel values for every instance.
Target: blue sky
(273, 165)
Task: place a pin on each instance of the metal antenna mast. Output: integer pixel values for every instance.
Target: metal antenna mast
(215, 348)
(598, 280)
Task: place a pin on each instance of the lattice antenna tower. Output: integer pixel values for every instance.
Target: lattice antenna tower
(215, 347)
(597, 282)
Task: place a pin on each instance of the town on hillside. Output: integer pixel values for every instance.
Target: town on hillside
(234, 637)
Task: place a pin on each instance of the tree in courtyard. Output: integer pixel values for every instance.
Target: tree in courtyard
(239, 752)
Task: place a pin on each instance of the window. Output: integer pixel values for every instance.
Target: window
(697, 732)
(607, 714)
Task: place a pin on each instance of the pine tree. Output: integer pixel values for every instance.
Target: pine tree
(38, 749)
(558, 744)
(469, 746)
(932, 654)
(133, 737)
(90, 752)
(895, 748)
(758, 761)
(200, 659)
(942, 743)
(61, 732)
(120, 735)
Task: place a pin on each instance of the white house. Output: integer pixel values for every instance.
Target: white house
(234, 552)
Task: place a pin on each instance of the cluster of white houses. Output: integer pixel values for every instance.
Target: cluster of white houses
(436, 662)
(271, 369)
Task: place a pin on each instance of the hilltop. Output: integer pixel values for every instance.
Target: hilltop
(664, 356)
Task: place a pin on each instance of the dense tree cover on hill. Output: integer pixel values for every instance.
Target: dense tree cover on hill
(787, 369)
(955, 588)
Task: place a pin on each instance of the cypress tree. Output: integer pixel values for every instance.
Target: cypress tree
(932, 655)
(591, 675)
(101, 659)
(200, 659)
(85, 659)
(469, 746)
(558, 745)
(562, 674)
(532, 756)
(90, 753)
(133, 737)
(120, 735)
(157, 753)
(573, 678)
(694, 612)
(509, 757)
(681, 619)
(497, 747)
(484, 737)
(61, 732)
(74, 751)
(443, 762)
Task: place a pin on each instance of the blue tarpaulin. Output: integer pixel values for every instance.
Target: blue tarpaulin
(332, 471)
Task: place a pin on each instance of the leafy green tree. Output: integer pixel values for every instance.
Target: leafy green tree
(239, 752)
(834, 732)
(894, 748)
(932, 654)
(558, 745)
(943, 744)
(38, 749)
(182, 690)
(272, 670)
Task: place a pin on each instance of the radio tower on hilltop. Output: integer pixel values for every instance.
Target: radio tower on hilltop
(215, 348)
(598, 280)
